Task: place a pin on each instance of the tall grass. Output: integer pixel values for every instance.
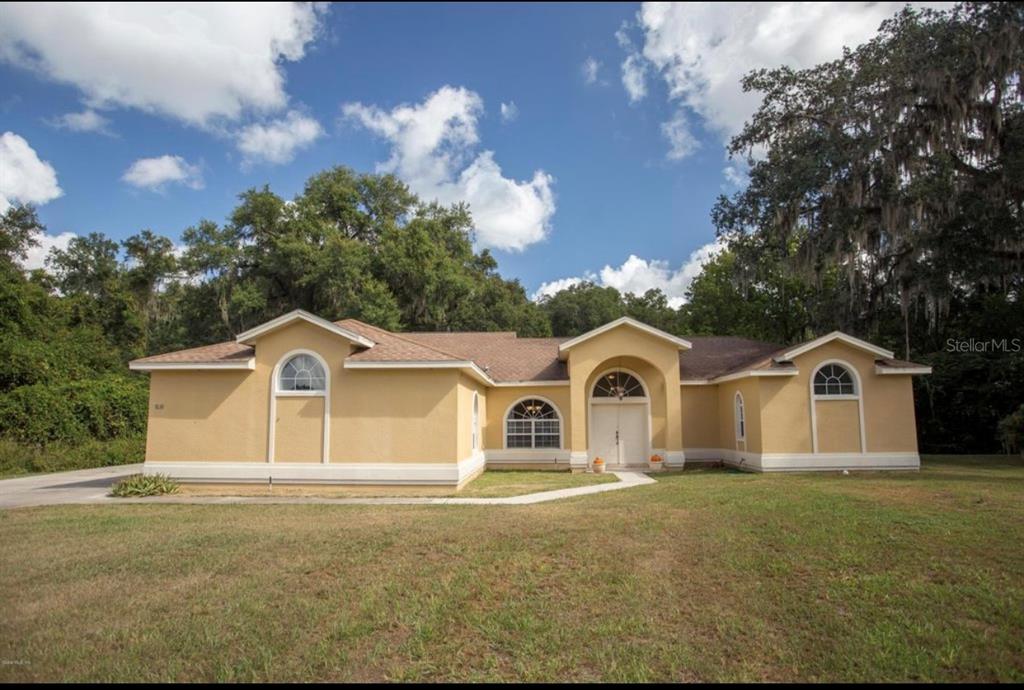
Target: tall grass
(19, 458)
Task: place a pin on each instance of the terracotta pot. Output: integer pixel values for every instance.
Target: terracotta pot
(598, 467)
(655, 465)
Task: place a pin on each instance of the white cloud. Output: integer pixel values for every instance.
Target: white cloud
(636, 276)
(24, 178)
(155, 174)
(634, 67)
(634, 77)
(735, 176)
(433, 151)
(591, 69)
(278, 141)
(681, 142)
(509, 111)
(198, 62)
(86, 121)
(35, 257)
(702, 50)
(555, 286)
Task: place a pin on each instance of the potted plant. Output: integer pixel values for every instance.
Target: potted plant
(598, 466)
(656, 462)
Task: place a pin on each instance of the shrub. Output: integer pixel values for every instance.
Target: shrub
(21, 458)
(144, 485)
(1011, 431)
(108, 407)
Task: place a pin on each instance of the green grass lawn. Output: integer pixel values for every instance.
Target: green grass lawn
(490, 484)
(707, 575)
(497, 483)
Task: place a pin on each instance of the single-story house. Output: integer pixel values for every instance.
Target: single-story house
(302, 399)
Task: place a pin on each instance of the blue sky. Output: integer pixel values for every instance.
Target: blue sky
(120, 119)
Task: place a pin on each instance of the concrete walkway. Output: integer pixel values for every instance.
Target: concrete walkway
(92, 486)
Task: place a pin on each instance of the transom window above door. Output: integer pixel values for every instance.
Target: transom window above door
(533, 423)
(302, 373)
(834, 379)
(618, 384)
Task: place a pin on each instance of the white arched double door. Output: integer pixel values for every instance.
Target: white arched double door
(620, 419)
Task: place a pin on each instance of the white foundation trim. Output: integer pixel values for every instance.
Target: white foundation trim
(808, 462)
(579, 460)
(398, 473)
(675, 459)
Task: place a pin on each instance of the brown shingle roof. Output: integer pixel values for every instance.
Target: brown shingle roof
(507, 358)
(394, 347)
(207, 354)
(502, 355)
(713, 356)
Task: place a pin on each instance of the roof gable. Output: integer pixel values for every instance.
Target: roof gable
(834, 335)
(253, 334)
(623, 321)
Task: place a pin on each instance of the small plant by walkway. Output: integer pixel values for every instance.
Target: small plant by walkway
(139, 485)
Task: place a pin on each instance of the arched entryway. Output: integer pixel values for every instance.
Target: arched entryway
(620, 419)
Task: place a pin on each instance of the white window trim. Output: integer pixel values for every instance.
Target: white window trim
(508, 411)
(275, 393)
(858, 396)
(739, 413)
(628, 399)
(475, 445)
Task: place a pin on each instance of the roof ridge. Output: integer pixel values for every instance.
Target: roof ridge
(413, 342)
(512, 333)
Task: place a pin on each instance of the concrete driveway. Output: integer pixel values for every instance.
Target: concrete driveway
(80, 486)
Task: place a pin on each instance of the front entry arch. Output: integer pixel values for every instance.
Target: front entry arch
(619, 419)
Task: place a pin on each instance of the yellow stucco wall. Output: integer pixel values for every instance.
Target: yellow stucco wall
(376, 415)
(654, 358)
(699, 407)
(499, 400)
(299, 433)
(749, 389)
(467, 387)
(838, 426)
(205, 415)
(889, 422)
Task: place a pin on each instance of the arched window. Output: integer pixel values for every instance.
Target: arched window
(533, 423)
(741, 421)
(476, 421)
(833, 379)
(302, 373)
(618, 384)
